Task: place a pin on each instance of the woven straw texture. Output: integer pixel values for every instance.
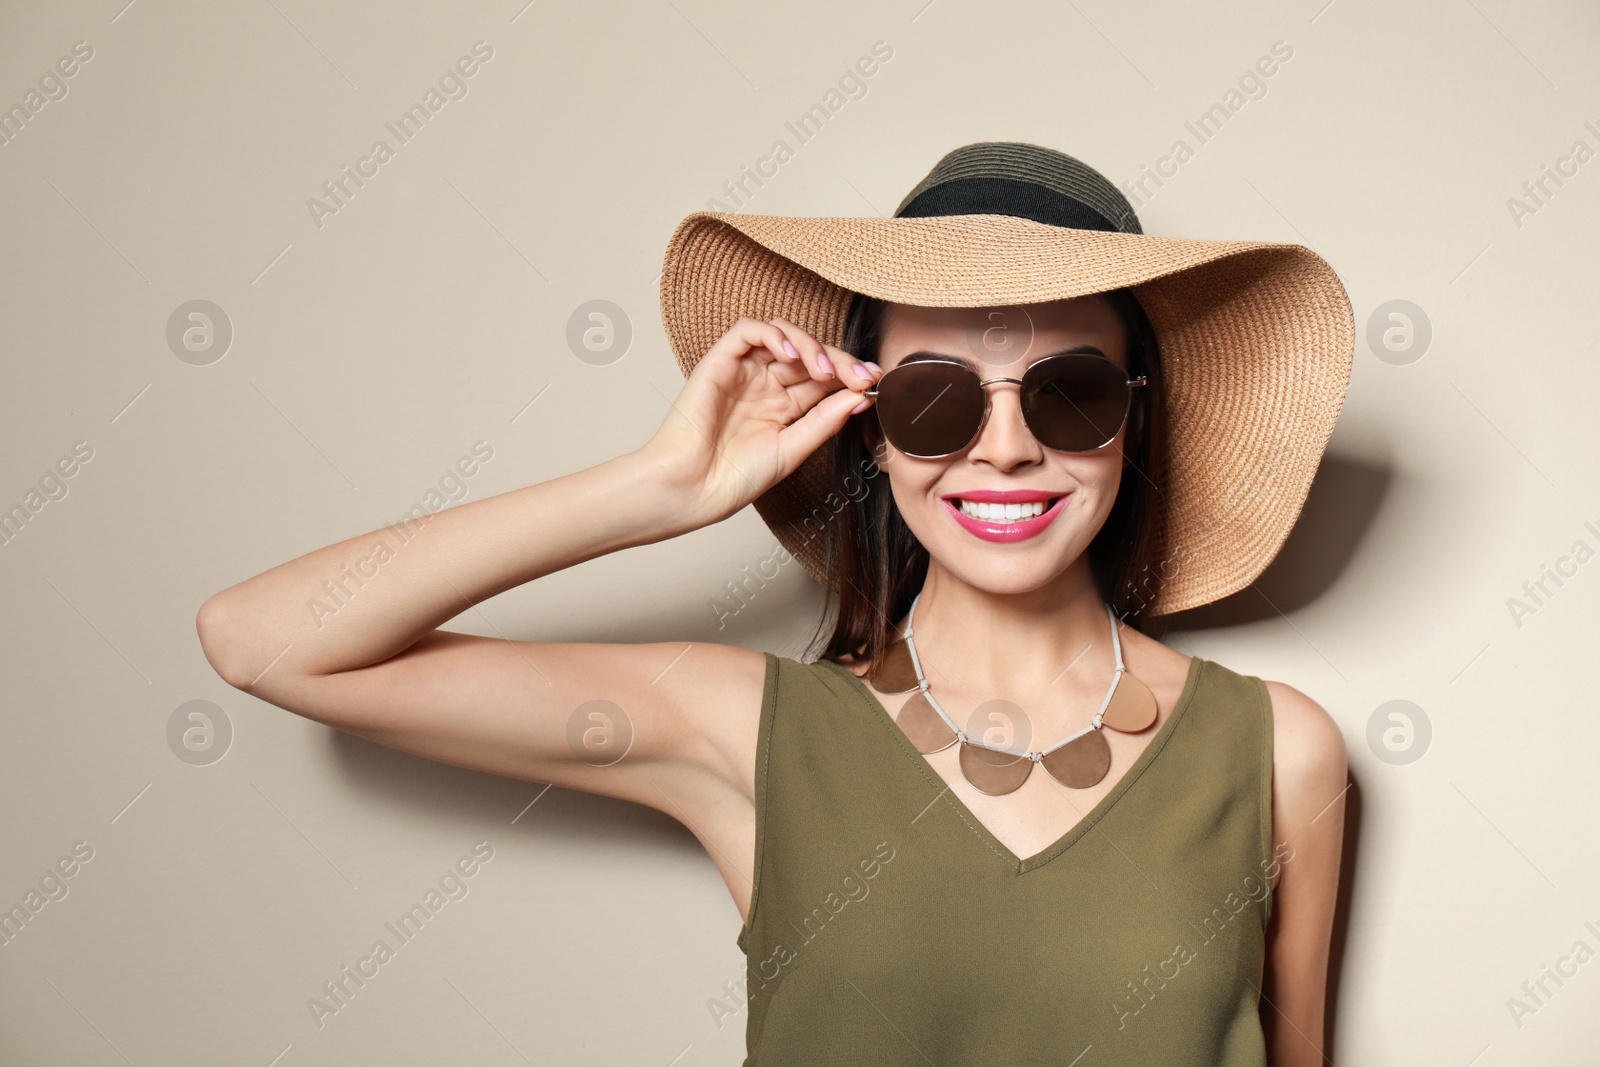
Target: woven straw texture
(1256, 339)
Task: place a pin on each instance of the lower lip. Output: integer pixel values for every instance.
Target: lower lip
(990, 530)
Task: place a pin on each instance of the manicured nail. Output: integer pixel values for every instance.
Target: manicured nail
(822, 361)
(863, 373)
(875, 368)
(859, 408)
(789, 348)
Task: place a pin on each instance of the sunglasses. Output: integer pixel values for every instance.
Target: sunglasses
(1074, 402)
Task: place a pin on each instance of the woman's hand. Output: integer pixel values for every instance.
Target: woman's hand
(763, 398)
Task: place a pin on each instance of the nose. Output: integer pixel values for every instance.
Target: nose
(1005, 442)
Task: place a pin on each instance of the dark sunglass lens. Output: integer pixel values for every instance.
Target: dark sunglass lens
(1075, 403)
(930, 408)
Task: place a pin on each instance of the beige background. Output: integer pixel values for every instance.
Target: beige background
(371, 352)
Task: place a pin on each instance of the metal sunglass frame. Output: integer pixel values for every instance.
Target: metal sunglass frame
(988, 404)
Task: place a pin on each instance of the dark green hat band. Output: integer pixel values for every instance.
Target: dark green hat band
(1028, 181)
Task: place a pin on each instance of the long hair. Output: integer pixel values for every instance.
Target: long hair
(877, 565)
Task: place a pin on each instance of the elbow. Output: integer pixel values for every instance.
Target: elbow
(218, 644)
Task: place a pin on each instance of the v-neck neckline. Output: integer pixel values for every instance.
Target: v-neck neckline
(1018, 864)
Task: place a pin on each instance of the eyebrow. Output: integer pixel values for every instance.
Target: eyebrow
(920, 355)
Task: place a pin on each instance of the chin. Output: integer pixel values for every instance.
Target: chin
(1001, 579)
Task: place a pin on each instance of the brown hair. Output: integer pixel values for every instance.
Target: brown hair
(877, 564)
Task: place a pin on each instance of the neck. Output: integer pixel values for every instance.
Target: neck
(1012, 642)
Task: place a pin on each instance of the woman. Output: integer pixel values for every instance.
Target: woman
(1078, 428)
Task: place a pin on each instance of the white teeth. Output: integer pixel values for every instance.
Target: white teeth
(1002, 512)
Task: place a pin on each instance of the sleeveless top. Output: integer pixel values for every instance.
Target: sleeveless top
(887, 926)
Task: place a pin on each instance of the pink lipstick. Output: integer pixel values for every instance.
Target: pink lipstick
(995, 529)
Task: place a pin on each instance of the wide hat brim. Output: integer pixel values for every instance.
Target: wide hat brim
(1257, 341)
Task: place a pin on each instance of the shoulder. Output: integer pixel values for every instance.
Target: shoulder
(1304, 734)
(1308, 749)
(1309, 777)
(717, 668)
(716, 689)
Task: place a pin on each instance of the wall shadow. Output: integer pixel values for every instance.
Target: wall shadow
(1343, 500)
(401, 781)
(1339, 941)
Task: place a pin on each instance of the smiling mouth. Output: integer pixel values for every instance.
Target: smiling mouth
(1019, 512)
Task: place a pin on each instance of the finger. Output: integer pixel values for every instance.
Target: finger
(808, 393)
(813, 353)
(806, 434)
(807, 387)
(750, 338)
(854, 373)
(807, 390)
(846, 369)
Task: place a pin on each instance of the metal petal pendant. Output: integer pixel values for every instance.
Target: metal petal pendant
(893, 672)
(1081, 763)
(923, 726)
(995, 773)
(1132, 707)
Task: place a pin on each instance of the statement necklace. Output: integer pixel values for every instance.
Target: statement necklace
(1079, 760)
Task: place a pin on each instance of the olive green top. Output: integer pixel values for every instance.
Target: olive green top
(888, 926)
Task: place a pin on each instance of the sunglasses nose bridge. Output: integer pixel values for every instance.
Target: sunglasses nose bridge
(1025, 439)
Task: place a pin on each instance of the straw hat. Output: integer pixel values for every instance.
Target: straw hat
(1256, 337)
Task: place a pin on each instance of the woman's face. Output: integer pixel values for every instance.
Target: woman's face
(1003, 342)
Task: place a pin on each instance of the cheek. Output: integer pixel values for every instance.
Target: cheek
(1099, 480)
(1107, 471)
(911, 481)
(915, 485)
(1103, 480)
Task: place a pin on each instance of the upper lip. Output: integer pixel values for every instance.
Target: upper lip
(1005, 496)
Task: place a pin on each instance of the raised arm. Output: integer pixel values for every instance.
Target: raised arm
(378, 667)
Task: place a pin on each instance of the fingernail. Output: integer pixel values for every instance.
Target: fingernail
(875, 368)
(859, 408)
(789, 348)
(862, 372)
(822, 361)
